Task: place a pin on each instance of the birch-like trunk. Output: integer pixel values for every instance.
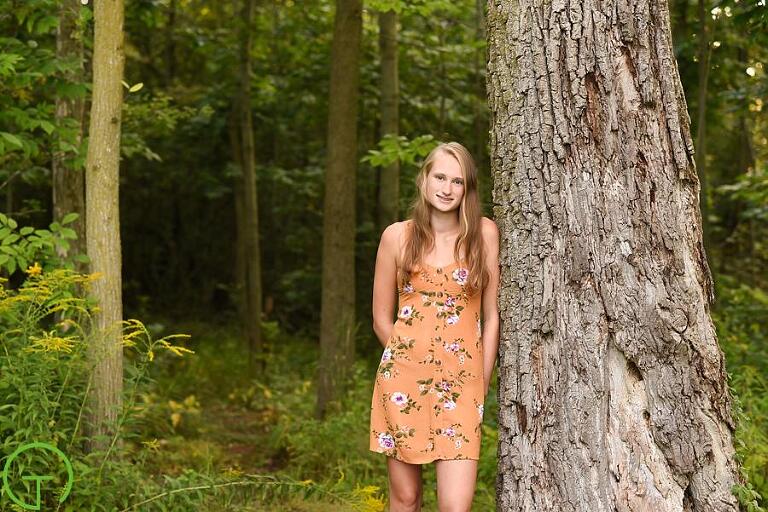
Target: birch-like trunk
(103, 220)
(612, 387)
(337, 316)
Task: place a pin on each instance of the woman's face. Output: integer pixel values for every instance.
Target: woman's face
(445, 184)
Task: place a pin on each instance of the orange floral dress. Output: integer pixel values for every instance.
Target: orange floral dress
(428, 394)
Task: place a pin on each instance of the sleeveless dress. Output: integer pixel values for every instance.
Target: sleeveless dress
(428, 394)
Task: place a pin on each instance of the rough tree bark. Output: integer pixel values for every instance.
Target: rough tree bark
(102, 218)
(337, 316)
(612, 387)
(68, 182)
(389, 188)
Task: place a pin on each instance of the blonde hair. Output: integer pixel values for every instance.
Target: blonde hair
(419, 235)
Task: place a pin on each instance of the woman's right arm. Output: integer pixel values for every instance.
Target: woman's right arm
(385, 283)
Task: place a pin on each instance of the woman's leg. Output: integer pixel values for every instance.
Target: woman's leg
(456, 481)
(405, 486)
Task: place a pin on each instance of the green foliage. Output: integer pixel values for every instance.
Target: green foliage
(742, 328)
(22, 247)
(31, 76)
(416, 7)
(398, 148)
(752, 189)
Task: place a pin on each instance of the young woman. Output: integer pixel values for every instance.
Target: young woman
(436, 366)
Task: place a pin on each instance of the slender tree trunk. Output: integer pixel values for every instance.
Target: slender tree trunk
(442, 77)
(241, 223)
(701, 122)
(612, 387)
(389, 186)
(250, 195)
(68, 182)
(679, 20)
(170, 43)
(103, 220)
(337, 317)
(481, 102)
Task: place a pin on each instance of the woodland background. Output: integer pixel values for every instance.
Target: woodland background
(206, 430)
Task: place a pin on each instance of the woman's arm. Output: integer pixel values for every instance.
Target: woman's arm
(385, 283)
(490, 305)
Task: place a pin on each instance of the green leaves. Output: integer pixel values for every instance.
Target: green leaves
(19, 249)
(419, 7)
(8, 63)
(12, 139)
(393, 148)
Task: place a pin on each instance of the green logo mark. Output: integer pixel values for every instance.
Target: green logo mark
(38, 479)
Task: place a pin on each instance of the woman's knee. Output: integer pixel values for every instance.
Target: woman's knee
(406, 498)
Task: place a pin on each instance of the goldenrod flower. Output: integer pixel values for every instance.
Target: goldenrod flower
(49, 342)
(34, 270)
(153, 445)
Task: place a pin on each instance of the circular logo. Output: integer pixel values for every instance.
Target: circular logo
(38, 479)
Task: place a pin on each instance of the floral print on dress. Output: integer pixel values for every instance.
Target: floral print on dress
(460, 275)
(457, 348)
(403, 401)
(397, 347)
(408, 314)
(428, 392)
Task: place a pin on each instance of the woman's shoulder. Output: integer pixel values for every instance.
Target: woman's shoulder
(490, 233)
(394, 230)
(392, 238)
(488, 226)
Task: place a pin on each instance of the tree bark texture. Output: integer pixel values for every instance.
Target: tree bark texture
(103, 219)
(612, 387)
(389, 188)
(337, 316)
(250, 195)
(68, 182)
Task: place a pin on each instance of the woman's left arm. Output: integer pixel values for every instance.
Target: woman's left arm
(490, 305)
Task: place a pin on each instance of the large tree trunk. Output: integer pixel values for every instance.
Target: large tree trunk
(68, 182)
(103, 219)
(337, 317)
(612, 387)
(250, 209)
(389, 188)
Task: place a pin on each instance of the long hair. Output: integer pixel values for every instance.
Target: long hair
(419, 236)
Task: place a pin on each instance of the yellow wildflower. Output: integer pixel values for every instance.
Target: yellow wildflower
(34, 270)
(153, 445)
(233, 471)
(51, 343)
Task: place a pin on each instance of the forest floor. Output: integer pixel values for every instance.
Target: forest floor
(215, 418)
